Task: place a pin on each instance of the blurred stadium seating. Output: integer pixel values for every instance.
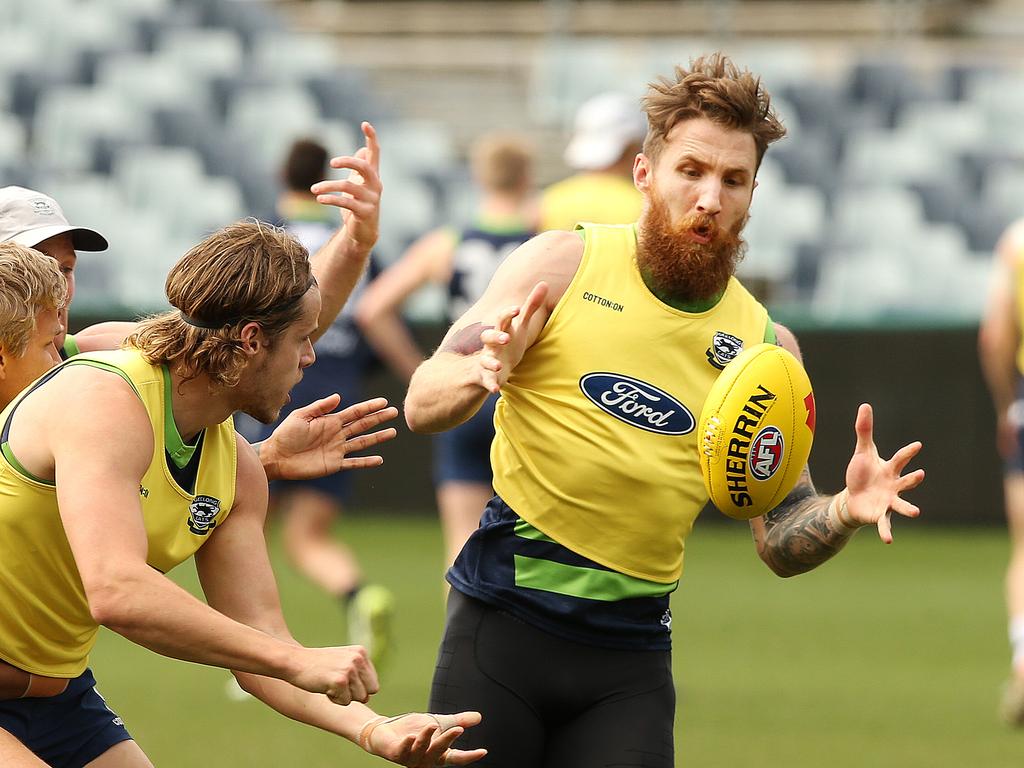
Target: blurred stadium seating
(159, 120)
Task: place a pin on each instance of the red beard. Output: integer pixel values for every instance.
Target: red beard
(677, 268)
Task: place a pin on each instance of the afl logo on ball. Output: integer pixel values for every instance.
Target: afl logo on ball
(638, 403)
(766, 453)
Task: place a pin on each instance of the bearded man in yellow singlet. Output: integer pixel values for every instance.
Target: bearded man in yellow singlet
(558, 625)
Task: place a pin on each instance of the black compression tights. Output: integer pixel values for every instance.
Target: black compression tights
(549, 702)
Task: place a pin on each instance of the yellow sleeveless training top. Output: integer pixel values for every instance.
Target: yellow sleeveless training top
(595, 440)
(46, 627)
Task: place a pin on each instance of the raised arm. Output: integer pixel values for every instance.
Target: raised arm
(340, 263)
(482, 348)
(808, 528)
(999, 335)
(428, 260)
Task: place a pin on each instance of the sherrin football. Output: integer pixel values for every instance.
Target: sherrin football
(756, 431)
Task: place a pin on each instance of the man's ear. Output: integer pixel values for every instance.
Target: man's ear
(642, 172)
(251, 338)
(4, 358)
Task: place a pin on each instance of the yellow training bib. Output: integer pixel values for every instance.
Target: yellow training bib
(596, 441)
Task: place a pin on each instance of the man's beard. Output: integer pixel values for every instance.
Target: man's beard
(676, 267)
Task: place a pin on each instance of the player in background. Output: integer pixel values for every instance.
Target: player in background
(102, 499)
(558, 617)
(1001, 350)
(608, 131)
(464, 261)
(308, 508)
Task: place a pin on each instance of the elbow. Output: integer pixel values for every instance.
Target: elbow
(365, 316)
(111, 601)
(415, 418)
(107, 608)
(781, 568)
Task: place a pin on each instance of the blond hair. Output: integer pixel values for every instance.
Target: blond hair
(247, 272)
(502, 162)
(29, 283)
(715, 88)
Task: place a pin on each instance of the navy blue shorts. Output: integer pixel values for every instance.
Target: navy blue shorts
(68, 730)
(1015, 463)
(313, 387)
(463, 454)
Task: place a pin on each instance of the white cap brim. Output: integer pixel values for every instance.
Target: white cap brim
(82, 238)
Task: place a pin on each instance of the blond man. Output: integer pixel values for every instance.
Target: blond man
(32, 294)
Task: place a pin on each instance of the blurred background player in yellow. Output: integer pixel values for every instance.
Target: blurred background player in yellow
(1001, 348)
(607, 135)
(463, 259)
(147, 471)
(309, 508)
(558, 617)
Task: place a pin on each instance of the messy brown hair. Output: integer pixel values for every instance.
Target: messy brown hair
(247, 272)
(29, 283)
(715, 88)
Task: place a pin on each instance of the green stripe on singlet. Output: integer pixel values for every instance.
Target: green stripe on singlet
(13, 461)
(588, 583)
(576, 580)
(526, 531)
(180, 452)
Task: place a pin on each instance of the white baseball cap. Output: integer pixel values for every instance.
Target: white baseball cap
(28, 217)
(605, 126)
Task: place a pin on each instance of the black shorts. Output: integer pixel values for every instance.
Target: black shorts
(548, 702)
(1015, 462)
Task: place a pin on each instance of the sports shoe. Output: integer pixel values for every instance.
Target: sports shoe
(1011, 705)
(370, 613)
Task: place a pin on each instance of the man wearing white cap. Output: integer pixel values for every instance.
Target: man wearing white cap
(36, 221)
(608, 133)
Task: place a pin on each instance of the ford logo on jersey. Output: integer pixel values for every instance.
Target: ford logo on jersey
(638, 403)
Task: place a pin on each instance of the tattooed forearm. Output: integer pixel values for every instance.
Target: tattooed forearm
(466, 341)
(800, 534)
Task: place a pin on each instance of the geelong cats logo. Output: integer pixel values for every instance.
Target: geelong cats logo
(202, 514)
(638, 403)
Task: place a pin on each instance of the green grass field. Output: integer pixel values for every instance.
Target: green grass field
(888, 657)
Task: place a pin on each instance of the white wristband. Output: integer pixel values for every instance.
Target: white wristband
(839, 515)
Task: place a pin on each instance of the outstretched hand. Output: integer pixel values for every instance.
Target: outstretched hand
(420, 740)
(314, 441)
(505, 344)
(873, 486)
(359, 194)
